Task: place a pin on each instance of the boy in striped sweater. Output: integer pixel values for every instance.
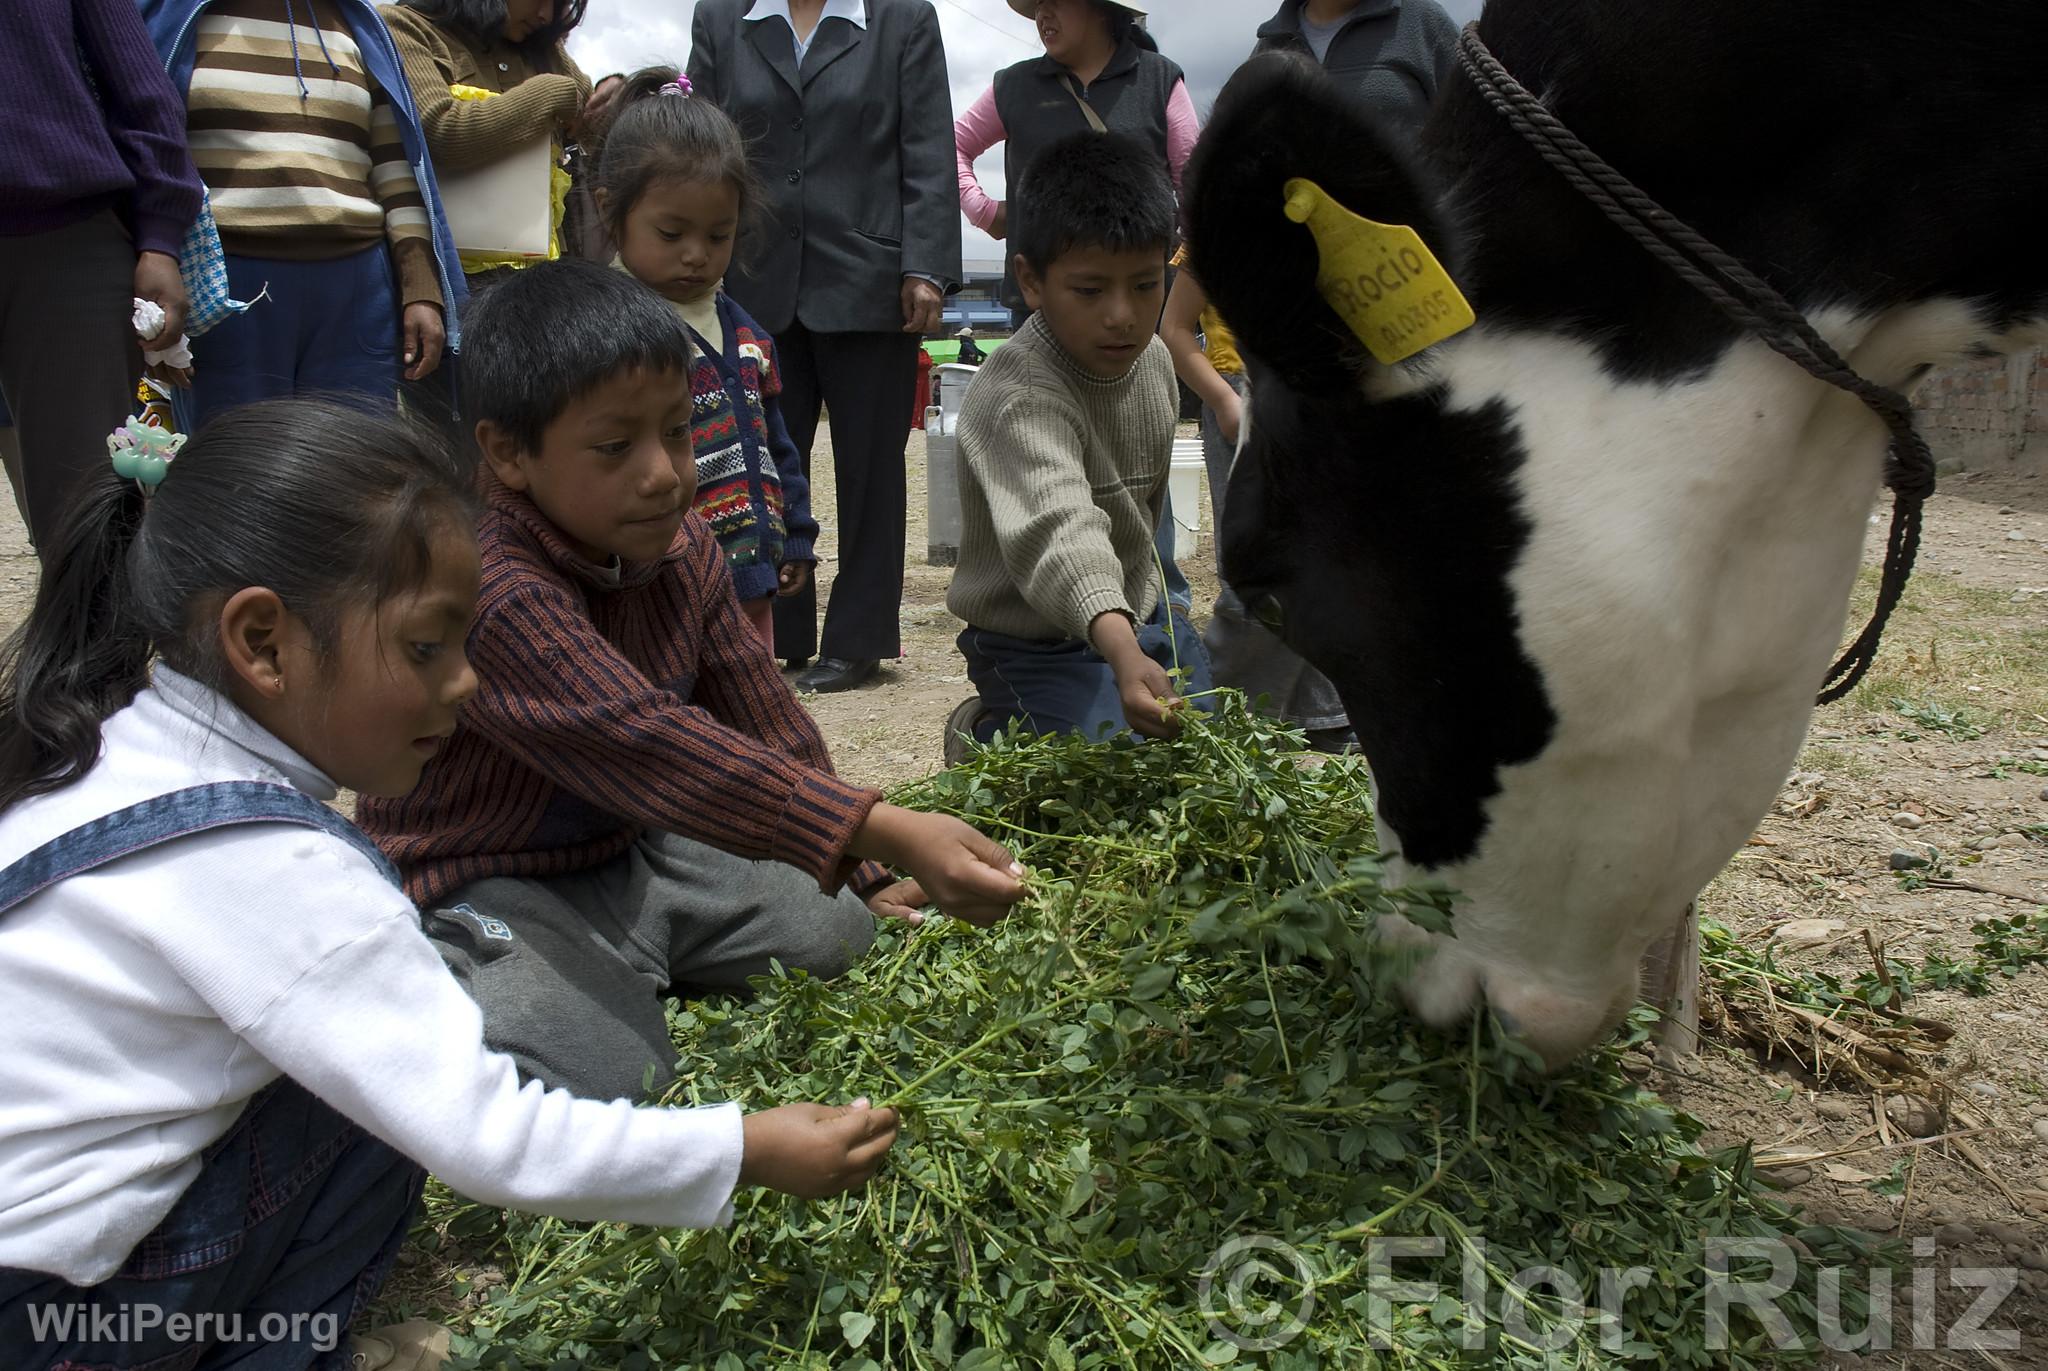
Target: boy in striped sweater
(634, 803)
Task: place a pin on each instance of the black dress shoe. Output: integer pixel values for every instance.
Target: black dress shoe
(835, 673)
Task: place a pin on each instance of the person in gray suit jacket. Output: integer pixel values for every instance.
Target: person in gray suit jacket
(849, 124)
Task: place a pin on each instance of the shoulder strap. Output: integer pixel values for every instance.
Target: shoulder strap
(177, 814)
(1087, 110)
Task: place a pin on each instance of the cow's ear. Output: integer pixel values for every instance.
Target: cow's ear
(1281, 119)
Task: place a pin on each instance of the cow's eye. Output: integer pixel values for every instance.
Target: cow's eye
(1266, 608)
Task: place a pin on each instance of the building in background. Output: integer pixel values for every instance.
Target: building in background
(1988, 415)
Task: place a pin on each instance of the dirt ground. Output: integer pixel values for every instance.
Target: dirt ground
(1964, 760)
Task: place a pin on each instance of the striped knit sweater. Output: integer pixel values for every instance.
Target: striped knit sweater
(607, 707)
(300, 152)
(1062, 475)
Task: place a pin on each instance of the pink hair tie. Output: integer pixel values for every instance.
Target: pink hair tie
(679, 86)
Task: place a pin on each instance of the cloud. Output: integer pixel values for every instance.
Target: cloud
(1208, 38)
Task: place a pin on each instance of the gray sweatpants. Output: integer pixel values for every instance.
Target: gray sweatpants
(573, 972)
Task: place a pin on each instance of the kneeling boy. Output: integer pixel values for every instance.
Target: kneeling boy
(1065, 441)
(634, 803)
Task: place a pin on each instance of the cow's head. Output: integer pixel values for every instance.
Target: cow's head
(1571, 585)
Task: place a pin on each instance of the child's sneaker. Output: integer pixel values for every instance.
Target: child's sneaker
(414, 1345)
(960, 729)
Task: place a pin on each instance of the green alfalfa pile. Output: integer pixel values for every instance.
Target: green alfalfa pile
(1164, 1108)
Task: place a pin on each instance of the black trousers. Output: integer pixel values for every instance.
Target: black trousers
(69, 360)
(866, 381)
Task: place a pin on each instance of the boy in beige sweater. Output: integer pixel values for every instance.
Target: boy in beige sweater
(1065, 441)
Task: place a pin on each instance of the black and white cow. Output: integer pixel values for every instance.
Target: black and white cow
(1578, 571)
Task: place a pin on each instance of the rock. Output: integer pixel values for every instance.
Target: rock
(1807, 932)
(1986, 1090)
(2005, 1016)
(1955, 1235)
(2016, 536)
(2044, 794)
(1903, 860)
(1917, 1116)
(1785, 1177)
(2034, 1261)
(2005, 1235)
(1908, 821)
(1837, 1111)
(2041, 1130)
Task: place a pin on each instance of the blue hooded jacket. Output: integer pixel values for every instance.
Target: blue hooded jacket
(171, 24)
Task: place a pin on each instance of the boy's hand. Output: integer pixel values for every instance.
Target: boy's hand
(904, 900)
(1147, 694)
(792, 577)
(424, 336)
(961, 870)
(1141, 683)
(814, 1151)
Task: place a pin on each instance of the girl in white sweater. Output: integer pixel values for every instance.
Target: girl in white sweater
(228, 1049)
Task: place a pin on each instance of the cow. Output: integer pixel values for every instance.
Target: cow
(1578, 571)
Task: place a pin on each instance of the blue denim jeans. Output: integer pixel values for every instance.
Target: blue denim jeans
(1065, 686)
(296, 1214)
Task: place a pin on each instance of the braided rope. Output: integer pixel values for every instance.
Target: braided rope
(1750, 302)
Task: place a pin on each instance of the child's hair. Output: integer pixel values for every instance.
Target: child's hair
(556, 331)
(656, 137)
(484, 20)
(1094, 190)
(332, 507)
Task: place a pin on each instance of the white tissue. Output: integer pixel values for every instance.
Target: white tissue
(149, 322)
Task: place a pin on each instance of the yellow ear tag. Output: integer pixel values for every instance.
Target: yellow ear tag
(1385, 283)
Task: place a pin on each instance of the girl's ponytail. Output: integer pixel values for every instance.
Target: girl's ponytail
(82, 654)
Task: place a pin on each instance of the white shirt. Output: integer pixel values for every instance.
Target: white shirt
(854, 12)
(148, 999)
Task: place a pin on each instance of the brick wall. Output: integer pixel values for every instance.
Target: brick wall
(1988, 415)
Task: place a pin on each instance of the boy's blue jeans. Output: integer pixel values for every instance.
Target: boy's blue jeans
(296, 1214)
(1065, 686)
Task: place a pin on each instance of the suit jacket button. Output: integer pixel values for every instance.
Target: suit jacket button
(795, 177)
(796, 123)
(504, 66)
(795, 232)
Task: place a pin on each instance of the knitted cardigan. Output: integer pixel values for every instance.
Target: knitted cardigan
(750, 479)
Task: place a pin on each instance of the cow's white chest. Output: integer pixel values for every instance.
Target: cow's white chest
(1682, 593)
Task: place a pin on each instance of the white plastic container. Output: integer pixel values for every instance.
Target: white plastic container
(1184, 488)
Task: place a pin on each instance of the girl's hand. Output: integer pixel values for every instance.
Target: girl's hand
(1229, 417)
(814, 1151)
(599, 108)
(904, 900)
(792, 577)
(424, 336)
(961, 870)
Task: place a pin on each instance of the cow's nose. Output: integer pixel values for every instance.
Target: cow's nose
(1556, 1024)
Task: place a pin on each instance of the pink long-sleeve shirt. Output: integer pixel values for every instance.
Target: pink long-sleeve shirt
(981, 128)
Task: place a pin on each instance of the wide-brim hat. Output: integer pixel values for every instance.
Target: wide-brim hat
(1029, 8)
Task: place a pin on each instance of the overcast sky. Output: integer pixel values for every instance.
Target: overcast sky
(1207, 37)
